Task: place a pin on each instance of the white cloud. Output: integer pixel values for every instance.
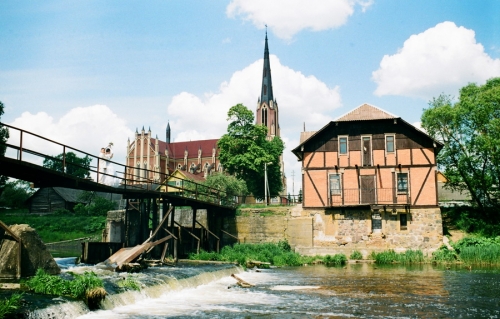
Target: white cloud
(288, 17)
(84, 128)
(439, 60)
(301, 99)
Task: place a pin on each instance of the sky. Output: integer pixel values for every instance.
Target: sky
(86, 73)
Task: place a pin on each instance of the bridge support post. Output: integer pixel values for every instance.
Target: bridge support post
(172, 228)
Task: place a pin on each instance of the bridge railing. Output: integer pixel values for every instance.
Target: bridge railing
(32, 148)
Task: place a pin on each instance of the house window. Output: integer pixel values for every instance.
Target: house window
(389, 143)
(403, 221)
(402, 182)
(335, 184)
(343, 145)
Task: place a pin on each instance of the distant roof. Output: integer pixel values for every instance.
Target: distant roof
(176, 149)
(305, 135)
(366, 112)
(71, 195)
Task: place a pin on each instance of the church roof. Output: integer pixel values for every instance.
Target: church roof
(176, 149)
(366, 112)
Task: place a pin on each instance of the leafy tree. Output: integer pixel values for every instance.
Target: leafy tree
(244, 149)
(470, 132)
(15, 194)
(76, 166)
(98, 207)
(230, 185)
(4, 135)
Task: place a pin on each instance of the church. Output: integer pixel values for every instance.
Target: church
(152, 157)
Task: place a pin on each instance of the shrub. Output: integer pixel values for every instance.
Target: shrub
(356, 255)
(279, 254)
(336, 260)
(129, 283)
(10, 305)
(54, 285)
(443, 254)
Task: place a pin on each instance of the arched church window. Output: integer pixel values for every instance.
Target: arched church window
(264, 116)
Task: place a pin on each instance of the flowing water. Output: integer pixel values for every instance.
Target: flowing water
(354, 291)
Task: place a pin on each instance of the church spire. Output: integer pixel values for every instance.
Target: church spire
(168, 133)
(267, 84)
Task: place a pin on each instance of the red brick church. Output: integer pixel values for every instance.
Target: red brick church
(151, 156)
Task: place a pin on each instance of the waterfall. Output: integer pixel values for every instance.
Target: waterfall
(65, 310)
(153, 285)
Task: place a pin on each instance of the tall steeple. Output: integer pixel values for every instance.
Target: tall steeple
(267, 84)
(267, 108)
(168, 133)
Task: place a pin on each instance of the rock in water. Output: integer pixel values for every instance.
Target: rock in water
(34, 253)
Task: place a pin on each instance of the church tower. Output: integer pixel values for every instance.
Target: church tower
(267, 108)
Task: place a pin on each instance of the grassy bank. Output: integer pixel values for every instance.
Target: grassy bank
(57, 226)
(275, 254)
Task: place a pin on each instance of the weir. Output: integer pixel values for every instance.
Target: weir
(154, 282)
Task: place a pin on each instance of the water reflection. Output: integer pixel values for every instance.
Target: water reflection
(354, 291)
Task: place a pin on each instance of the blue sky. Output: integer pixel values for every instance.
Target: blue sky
(109, 67)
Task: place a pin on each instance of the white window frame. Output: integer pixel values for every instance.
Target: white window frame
(346, 146)
(362, 149)
(339, 190)
(393, 143)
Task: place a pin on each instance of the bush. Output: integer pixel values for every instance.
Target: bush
(356, 255)
(390, 256)
(336, 260)
(443, 254)
(10, 305)
(278, 254)
(44, 283)
(129, 283)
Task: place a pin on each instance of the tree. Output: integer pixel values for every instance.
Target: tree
(244, 150)
(4, 135)
(470, 132)
(76, 166)
(230, 185)
(15, 194)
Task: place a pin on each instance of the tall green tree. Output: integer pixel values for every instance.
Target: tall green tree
(244, 150)
(470, 132)
(4, 135)
(76, 166)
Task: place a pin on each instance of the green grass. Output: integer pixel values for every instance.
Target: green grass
(277, 254)
(356, 255)
(58, 226)
(335, 260)
(10, 305)
(44, 283)
(129, 283)
(391, 257)
(444, 255)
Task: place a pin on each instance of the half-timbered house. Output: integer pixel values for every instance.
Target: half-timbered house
(369, 178)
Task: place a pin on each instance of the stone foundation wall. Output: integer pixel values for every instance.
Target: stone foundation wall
(319, 231)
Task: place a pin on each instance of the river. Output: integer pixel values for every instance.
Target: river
(353, 291)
